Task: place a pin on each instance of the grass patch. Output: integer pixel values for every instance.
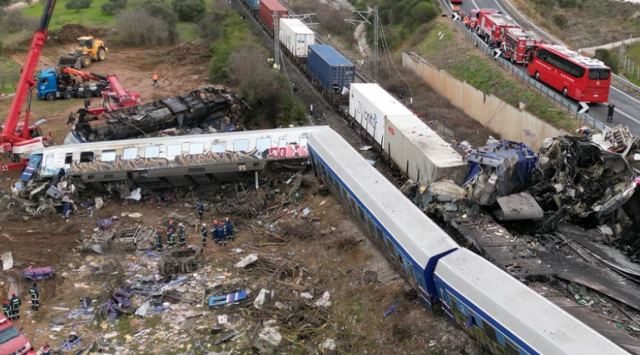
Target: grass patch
(9, 75)
(91, 17)
(187, 31)
(443, 48)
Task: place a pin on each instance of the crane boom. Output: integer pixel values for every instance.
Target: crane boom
(26, 82)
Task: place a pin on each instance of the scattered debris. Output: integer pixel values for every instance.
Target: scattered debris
(323, 301)
(223, 300)
(38, 273)
(7, 261)
(246, 261)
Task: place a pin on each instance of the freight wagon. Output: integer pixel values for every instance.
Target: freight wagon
(296, 37)
(329, 69)
(270, 11)
(420, 153)
(417, 150)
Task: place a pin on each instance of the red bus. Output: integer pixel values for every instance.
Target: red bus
(578, 77)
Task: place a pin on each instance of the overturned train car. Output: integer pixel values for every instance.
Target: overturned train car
(201, 108)
(170, 161)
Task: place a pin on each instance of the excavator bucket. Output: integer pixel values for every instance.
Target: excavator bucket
(70, 61)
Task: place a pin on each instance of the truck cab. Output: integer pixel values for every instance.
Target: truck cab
(11, 340)
(47, 80)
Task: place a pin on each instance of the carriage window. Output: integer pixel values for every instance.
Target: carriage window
(219, 147)
(152, 152)
(130, 153)
(510, 348)
(489, 331)
(173, 151)
(282, 141)
(86, 157)
(108, 155)
(263, 144)
(68, 158)
(48, 160)
(241, 145)
(303, 140)
(196, 148)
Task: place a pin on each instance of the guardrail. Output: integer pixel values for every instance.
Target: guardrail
(568, 105)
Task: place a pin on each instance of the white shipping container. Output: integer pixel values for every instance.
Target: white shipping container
(420, 153)
(370, 106)
(296, 37)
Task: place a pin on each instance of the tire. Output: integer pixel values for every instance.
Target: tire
(565, 92)
(102, 54)
(85, 61)
(537, 76)
(87, 93)
(50, 96)
(67, 95)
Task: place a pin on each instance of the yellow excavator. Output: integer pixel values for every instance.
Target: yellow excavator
(89, 50)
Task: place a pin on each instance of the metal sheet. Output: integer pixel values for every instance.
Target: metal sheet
(520, 206)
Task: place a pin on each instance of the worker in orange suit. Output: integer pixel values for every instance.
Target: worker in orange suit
(154, 77)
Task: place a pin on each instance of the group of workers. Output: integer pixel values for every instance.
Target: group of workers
(11, 307)
(221, 231)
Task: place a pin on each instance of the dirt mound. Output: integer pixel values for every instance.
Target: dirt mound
(70, 32)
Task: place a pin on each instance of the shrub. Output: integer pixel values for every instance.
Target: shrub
(209, 25)
(560, 20)
(424, 12)
(137, 28)
(113, 6)
(17, 22)
(159, 9)
(608, 59)
(78, 4)
(188, 10)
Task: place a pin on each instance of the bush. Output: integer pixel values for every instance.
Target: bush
(608, 59)
(188, 10)
(560, 20)
(113, 6)
(159, 9)
(209, 25)
(333, 20)
(17, 22)
(78, 4)
(424, 12)
(139, 28)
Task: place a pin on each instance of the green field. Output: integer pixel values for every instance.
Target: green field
(9, 70)
(91, 17)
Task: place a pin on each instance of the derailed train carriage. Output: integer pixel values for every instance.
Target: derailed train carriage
(170, 161)
(499, 311)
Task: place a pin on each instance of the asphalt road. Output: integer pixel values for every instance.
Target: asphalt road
(627, 110)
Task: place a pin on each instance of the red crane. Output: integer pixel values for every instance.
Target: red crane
(17, 139)
(114, 97)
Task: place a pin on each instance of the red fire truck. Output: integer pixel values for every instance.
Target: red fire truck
(578, 77)
(491, 25)
(518, 45)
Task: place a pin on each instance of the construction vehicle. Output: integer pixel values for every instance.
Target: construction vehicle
(18, 139)
(89, 50)
(67, 83)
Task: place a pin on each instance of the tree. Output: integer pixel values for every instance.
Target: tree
(113, 6)
(188, 10)
(159, 9)
(139, 28)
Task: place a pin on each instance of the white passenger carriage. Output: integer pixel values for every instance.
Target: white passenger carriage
(173, 159)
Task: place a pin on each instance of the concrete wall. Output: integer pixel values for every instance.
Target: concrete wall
(510, 122)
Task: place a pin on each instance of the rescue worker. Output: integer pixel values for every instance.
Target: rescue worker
(46, 349)
(610, 110)
(158, 239)
(66, 210)
(182, 238)
(154, 77)
(171, 234)
(15, 307)
(35, 297)
(200, 209)
(228, 228)
(203, 234)
(6, 308)
(218, 232)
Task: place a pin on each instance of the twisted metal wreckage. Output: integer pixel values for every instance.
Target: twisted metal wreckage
(577, 203)
(194, 112)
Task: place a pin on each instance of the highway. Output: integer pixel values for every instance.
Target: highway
(627, 110)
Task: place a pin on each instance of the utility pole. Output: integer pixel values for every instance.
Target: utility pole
(276, 40)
